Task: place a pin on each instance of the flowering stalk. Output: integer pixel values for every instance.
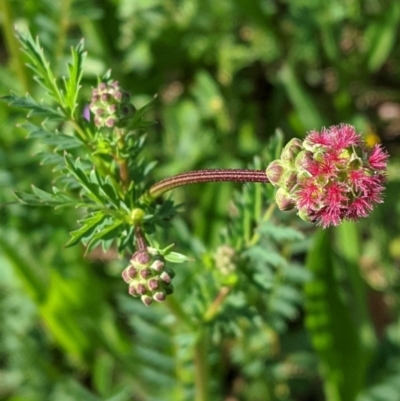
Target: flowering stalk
(329, 177)
(212, 175)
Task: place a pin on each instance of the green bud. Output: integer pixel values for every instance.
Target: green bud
(159, 296)
(129, 273)
(153, 284)
(111, 105)
(140, 259)
(275, 171)
(164, 276)
(158, 265)
(145, 273)
(289, 180)
(303, 215)
(141, 288)
(147, 300)
(137, 216)
(132, 291)
(291, 150)
(302, 159)
(284, 200)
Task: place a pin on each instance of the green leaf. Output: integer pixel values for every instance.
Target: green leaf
(57, 140)
(280, 233)
(305, 106)
(35, 109)
(108, 233)
(75, 75)
(382, 36)
(43, 198)
(105, 188)
(88, 225)
(92, 189)
(175, 257)
(136, 121)
(332, 323)
(41, 67)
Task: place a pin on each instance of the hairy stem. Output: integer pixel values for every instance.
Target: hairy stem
(193, 177)
(141, 244)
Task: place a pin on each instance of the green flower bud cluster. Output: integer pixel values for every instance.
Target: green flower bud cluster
(284, 173)
(148, 277)
(111, 105)
(225, 259)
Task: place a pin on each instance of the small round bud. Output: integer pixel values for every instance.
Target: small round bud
(153, 284)
(140, 259)
(289, 180)
(303, 159)
(164, 276)
(284, 200)
(132, 291)
(159, 296)
(275, 171)
(137, 216)
(147, 300)
(145, 273)
(158, 265)
(110, 122)
(291, 150)
(129, 273)
(141, 288)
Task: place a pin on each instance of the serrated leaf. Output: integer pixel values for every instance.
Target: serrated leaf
(43, 198)
(108, 233)
(56, 139)
(40, 66)
(92, 189)
(35, 109)
(87, 225)
(75, 71)
(136, 121)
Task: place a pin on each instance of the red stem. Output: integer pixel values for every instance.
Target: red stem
(217, 175)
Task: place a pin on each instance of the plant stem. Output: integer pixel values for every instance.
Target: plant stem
(141, 244)
(122, 163)
(216, 305)
(201, 368)
(12, 44)
(193, 177)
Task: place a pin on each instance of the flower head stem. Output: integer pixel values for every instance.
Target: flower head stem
(141, 244)
(213, 175)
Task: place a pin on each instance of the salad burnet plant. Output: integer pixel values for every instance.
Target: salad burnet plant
(95, 148)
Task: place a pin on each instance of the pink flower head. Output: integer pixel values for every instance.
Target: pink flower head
(338, 178)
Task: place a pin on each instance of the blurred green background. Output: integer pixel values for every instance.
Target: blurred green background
(228, 73)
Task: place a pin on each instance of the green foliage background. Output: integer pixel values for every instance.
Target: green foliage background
(309, 315)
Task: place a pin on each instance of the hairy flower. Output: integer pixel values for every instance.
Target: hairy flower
(337, 177)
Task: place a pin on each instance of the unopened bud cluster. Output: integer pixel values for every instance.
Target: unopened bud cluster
(329, 177)
(225, 259)
(148, 277)
(111, 105)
